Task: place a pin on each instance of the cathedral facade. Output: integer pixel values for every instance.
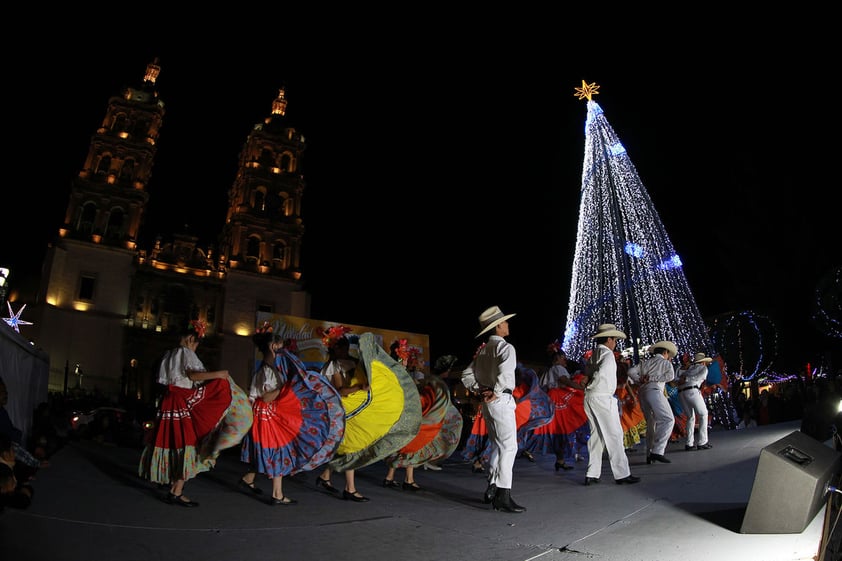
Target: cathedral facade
(107, 309)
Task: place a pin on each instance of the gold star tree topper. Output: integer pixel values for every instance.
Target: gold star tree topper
(587, 90)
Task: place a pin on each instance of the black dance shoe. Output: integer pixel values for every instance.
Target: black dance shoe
(250, 487)
(562, 465)
(490, 493)
(391, 484)
(356, 496)
(705, 446)
(629, 480)
(326, 485)
(283, 501)
(503, 501)
(589, 480)
(652, 458)
(179, 500)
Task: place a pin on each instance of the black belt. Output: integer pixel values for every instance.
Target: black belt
(508, 391)
(689, 388)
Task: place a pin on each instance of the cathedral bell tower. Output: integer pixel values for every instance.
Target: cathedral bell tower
(108, 197)
(86, 278)
(263, 228)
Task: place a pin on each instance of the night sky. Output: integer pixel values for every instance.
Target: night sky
(443, 179)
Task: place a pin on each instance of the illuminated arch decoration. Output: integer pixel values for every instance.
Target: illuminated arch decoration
(827, 315)
(748, 342)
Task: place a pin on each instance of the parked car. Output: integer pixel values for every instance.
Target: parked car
(108, 425)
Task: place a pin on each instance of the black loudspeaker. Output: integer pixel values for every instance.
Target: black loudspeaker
(790, 485)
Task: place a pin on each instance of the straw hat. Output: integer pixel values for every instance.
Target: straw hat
(491, 318)
(668, 345)
(608, 330)
(700, 357)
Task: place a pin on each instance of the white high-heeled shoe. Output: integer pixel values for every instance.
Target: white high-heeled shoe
(431, 466)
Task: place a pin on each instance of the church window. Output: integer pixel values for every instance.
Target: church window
(127, 171)
(114, 228)
(286, 162)
(104, 165)
(253, 249)
(87, 218)
(87, 284)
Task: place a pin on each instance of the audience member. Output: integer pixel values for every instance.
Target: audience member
(27, 464)
(13, 492)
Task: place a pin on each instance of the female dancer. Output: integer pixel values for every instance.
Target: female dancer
(201, 414)
(298, 418)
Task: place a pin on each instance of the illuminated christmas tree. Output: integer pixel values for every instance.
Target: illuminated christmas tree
(625, 269)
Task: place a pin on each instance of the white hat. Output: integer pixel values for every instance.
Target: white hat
(700, 357)
(491, 318)
(608, 330)
(668, 345)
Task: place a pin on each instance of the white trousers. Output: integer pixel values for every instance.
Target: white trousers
(606, 434)
(660, 419)
(694, 404)
(502, 432)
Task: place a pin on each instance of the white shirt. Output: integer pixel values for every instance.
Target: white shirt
(493, 367)
(265, 380)
(344, 366)
(694, 375)
(175, 366)
(604, 376)
(550, 379)
(656, 369)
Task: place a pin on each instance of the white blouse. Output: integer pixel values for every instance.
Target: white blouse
(265, 380)
(175, 366)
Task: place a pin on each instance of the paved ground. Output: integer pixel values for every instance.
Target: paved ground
(90, 504)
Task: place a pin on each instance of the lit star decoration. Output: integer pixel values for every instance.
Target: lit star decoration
(587, 90)
(14, 318)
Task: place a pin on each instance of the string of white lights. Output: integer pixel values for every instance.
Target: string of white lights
(625, 268)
